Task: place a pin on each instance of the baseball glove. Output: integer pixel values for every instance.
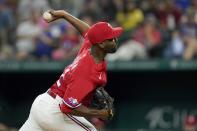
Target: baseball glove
(102, 100)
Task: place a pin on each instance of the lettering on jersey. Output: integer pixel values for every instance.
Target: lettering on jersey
(61, 78)
(58, 83)
(71, 67)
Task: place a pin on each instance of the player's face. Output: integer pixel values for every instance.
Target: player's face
(110, 46)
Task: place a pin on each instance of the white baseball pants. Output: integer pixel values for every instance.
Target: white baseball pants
(45, 115)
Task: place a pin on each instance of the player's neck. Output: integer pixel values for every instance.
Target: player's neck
(98, 54)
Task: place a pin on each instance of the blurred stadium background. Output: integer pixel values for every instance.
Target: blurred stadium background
(152, 76)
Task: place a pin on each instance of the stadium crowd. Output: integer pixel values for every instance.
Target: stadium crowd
(153, 28)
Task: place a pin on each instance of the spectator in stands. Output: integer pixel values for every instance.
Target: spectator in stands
(73, 6)
(182, 4)
(12, 6)
(69, 45)
(88, 19)
(146, 42)
(48, 45)
(176, 47)
(108, 9)
(193, 8)
(7, 23)
(27, 34)
(128, 51)
(188, 30)
(25, 7)
(123, 12)
(168, 14)
(129, 16)
(44, 45)
(189, 123)
(90, 8)
(149, 7)
(149, 36)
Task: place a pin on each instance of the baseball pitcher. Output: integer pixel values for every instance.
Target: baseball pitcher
(78, 93)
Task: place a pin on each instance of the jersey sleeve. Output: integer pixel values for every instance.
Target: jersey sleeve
(75, 93)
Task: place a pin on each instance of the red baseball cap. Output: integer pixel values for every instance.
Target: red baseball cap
(102, 31)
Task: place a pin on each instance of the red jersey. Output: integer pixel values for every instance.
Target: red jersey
(79, 80)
